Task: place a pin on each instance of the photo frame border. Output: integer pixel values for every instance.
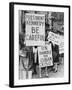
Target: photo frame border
(11, 42)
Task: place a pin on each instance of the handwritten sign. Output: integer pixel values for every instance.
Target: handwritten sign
(35, 29)
(54, 38)
(45, 55)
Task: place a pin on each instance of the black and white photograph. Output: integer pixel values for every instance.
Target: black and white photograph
(41, 44)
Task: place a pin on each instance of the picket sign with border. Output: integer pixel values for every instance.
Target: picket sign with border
(35, 29)
(45, 55)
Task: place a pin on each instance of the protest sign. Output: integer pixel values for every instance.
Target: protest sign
(54, 38)
(57, 39)
(35, 29)
(45, 55)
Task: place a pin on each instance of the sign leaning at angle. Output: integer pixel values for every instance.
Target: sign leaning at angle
(45, 55)
(35, 29)
(54, 38)
(57, 39)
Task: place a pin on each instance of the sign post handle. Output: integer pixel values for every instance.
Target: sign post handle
(40, 71)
